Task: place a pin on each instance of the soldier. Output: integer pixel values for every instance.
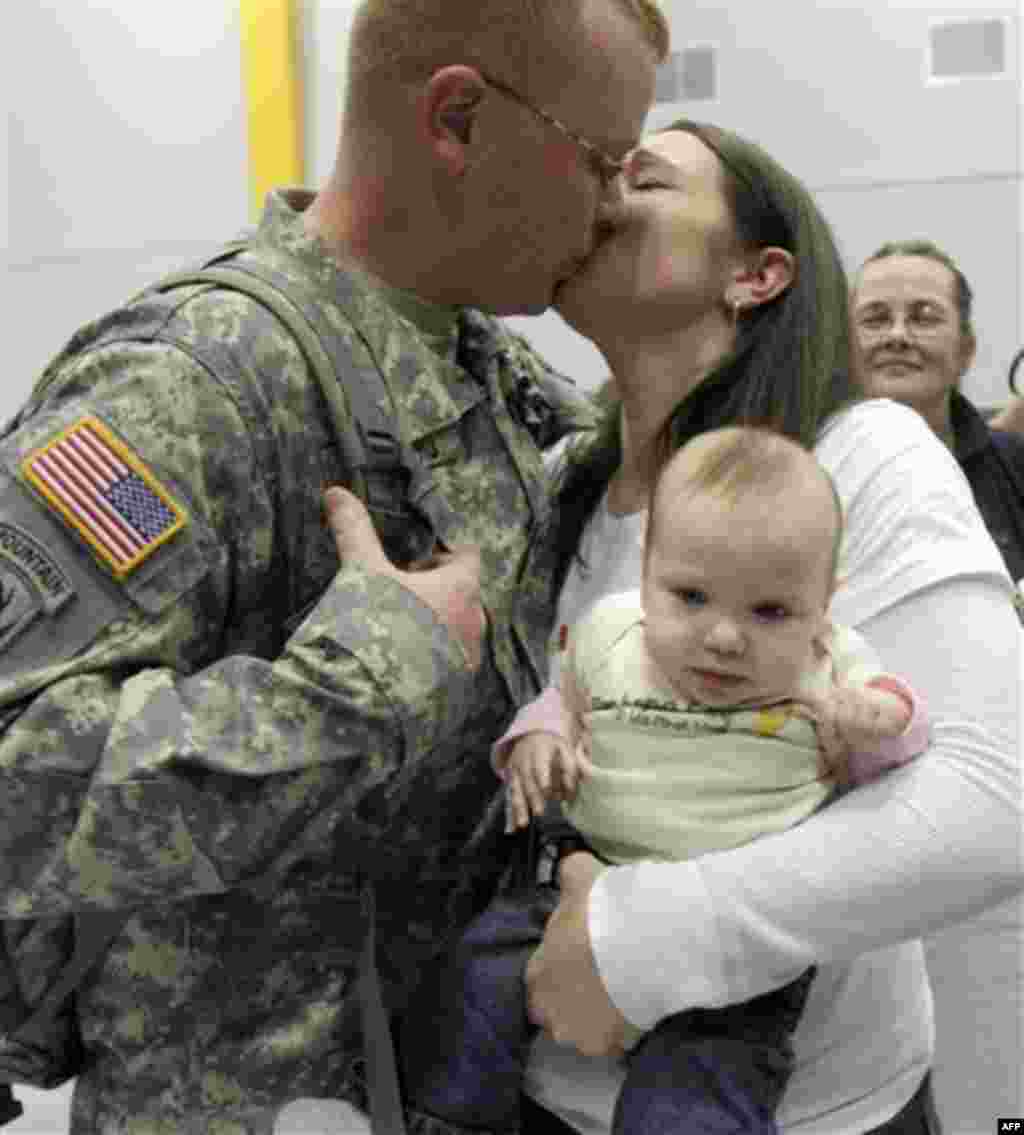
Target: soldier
(208, 726)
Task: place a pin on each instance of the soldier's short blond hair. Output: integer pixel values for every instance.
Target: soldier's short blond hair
(404, 40)
(736, 461)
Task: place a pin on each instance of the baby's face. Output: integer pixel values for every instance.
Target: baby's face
(735, 595)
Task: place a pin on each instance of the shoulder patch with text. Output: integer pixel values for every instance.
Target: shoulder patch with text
(105, 493)
(32, 583)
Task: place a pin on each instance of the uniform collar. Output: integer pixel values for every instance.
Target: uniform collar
(281, 224)
(424, 381)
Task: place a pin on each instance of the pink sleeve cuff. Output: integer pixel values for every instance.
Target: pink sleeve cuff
(545, 714)
(891, 752)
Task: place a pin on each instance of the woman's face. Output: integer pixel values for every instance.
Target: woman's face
(672, 248)
(910, 345)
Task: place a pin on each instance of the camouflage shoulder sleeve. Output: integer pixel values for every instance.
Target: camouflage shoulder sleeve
(139, 761)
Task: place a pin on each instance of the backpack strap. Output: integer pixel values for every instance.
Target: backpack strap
(387, 1116)
(379, 466)
(356, 454)
(370, 445)
(94, 934)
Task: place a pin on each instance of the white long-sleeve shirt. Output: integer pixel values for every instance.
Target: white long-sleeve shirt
(856, 885)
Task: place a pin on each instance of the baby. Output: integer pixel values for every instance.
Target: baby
(718, 705)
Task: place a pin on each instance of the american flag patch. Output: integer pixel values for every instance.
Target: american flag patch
(106, 494)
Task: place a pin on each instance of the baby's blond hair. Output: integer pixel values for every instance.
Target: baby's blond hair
(737, 461)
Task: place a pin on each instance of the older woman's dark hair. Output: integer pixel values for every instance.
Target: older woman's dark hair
(790, 368)
(962, 294)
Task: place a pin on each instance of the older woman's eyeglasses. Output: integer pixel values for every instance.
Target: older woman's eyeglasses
(601, 162)
(921, 321)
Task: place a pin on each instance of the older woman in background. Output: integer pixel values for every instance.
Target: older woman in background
(915, 342)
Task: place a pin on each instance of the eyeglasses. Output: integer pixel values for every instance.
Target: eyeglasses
(603, 164)
(920, 322)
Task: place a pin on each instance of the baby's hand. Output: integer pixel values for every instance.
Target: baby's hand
(854, 719)
(540, 767)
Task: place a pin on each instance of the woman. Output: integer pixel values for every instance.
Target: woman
(719, 298)
(915, 341)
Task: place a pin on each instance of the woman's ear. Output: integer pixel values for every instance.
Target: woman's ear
(769, 275)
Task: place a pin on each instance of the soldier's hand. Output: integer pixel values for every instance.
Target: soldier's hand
(449, 583)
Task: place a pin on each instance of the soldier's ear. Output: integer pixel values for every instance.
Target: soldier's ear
(448, 109)
(460, 121)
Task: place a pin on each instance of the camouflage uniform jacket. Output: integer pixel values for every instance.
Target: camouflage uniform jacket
(160, 727)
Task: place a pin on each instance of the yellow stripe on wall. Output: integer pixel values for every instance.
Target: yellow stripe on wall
(271, 34)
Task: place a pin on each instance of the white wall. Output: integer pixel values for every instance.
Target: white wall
(326, 25)
(125, 155)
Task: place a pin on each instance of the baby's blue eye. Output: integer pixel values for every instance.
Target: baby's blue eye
(692, 596)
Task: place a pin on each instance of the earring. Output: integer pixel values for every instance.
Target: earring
(736, 307)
